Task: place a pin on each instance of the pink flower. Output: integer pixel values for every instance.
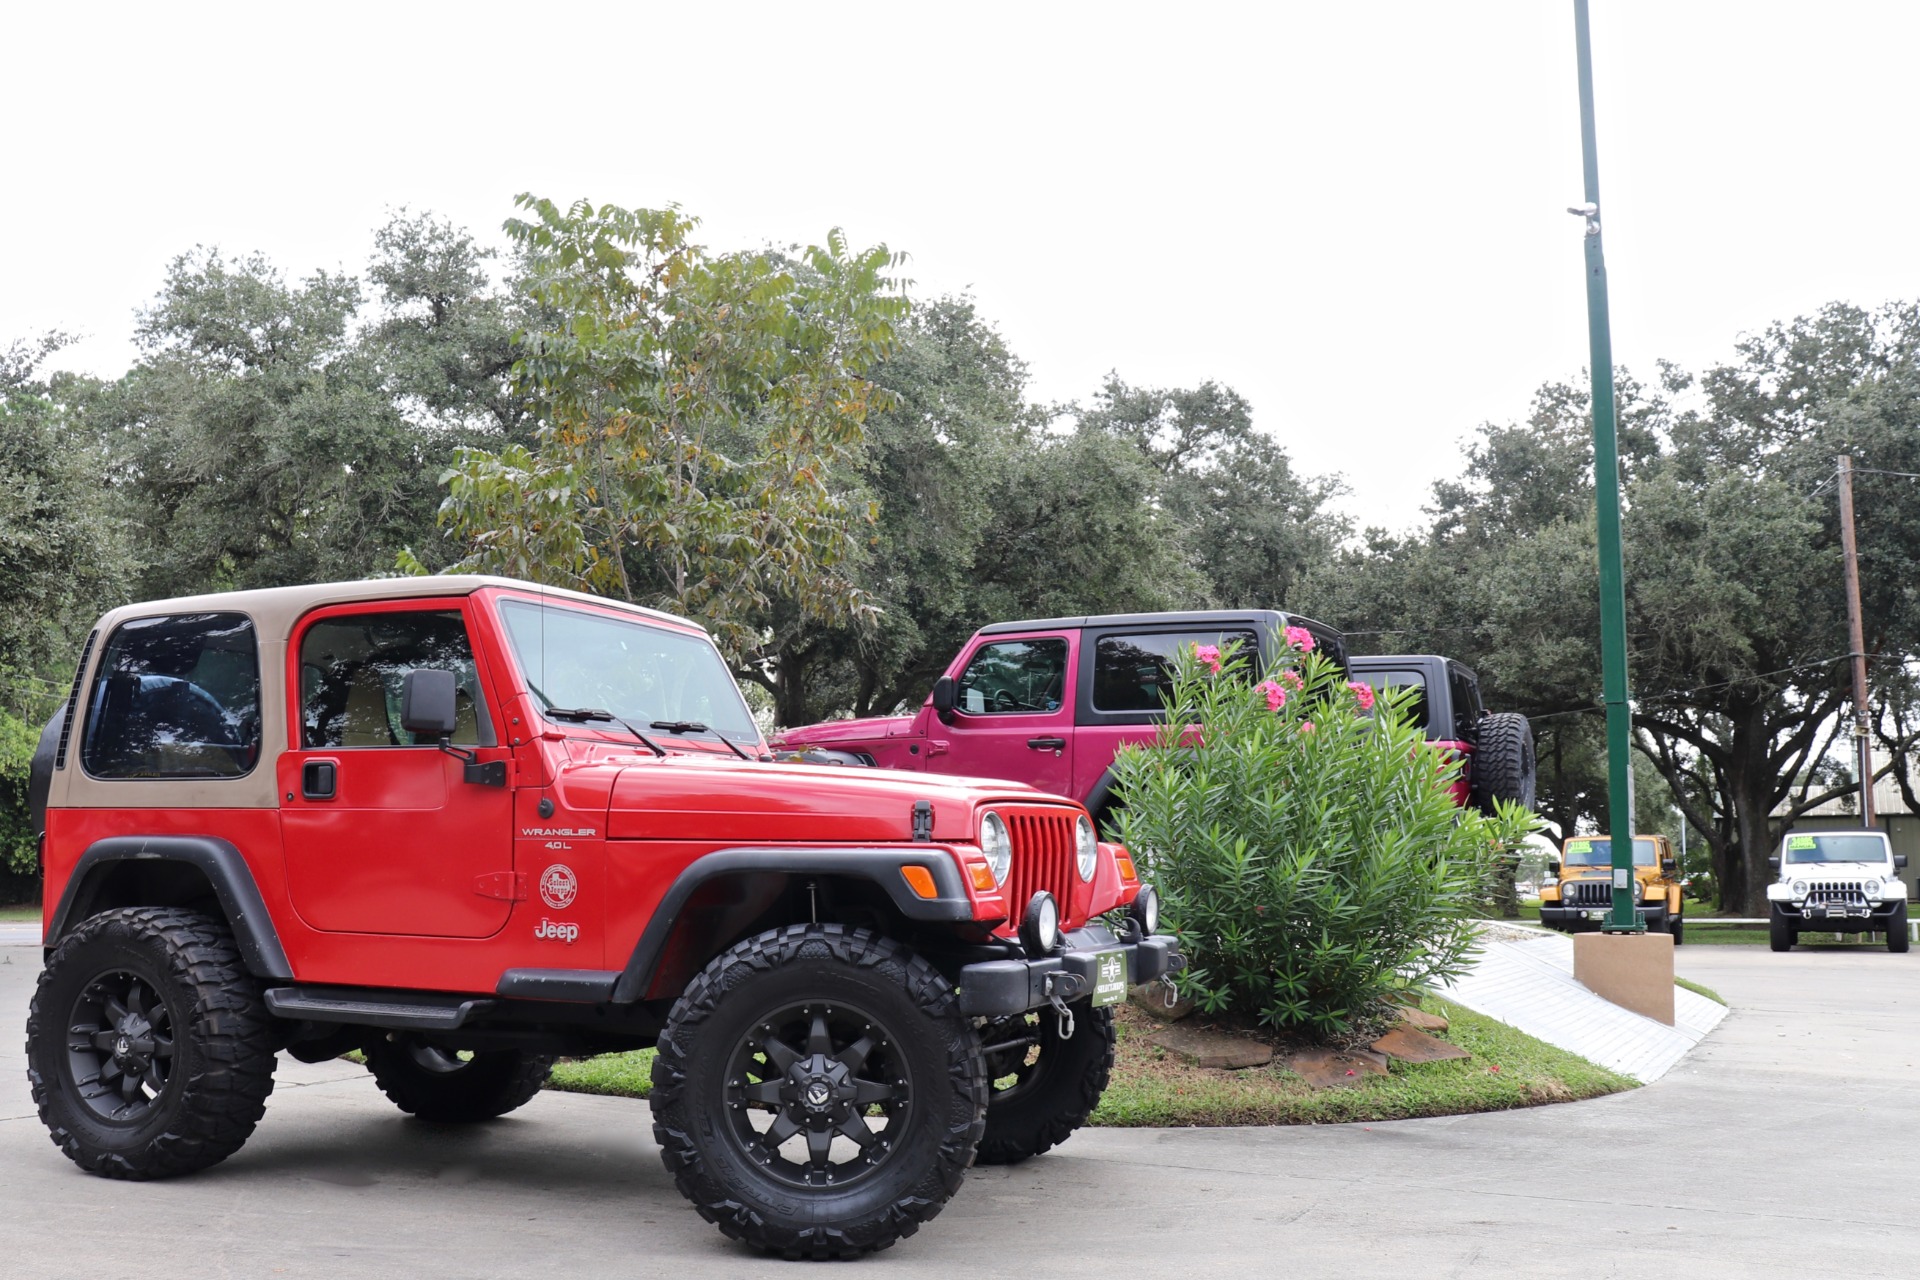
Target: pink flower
(1306, 726)
(1276, 696)
(1300, 638)
(1292, 680)
(1209, 656)
(1362, 691)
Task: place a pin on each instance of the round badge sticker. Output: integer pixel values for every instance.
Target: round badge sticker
(557, 886)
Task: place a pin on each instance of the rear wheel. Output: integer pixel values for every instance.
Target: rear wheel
(817, 1092)
(1503, 764)
(1044, 1087)
(454, 1088)
(1780, 931)
(1898, 939)
(149, 1047)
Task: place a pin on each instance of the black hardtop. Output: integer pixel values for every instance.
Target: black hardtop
(1182, 617)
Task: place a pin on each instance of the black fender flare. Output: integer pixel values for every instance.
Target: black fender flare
(880, 866)
(1102, 792)
(225, 869)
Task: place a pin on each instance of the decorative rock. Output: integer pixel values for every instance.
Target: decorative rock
(1206, 1048)
(1336, 1068)
(1151, 998)
(1404, 1044)
(1421, 1020)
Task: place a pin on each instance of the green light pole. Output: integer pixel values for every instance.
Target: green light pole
(1606, 492)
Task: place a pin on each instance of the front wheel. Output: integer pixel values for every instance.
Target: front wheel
(1780, 935)
(1044, 1087)
(454, 1088)
(1677, 925)
(817, 1092)
(149, 1047)
(1898, 939)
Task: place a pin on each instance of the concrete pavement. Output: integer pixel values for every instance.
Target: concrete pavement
(1778, 1148)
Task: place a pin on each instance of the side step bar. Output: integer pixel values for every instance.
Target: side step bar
(368, 1007)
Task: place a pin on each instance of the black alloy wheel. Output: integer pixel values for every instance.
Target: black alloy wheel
(812, 1091)
(120, 1050)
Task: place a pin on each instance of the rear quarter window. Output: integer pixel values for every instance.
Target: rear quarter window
(175, 697)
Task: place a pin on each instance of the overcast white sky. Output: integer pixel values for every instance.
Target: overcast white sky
(1353, 214)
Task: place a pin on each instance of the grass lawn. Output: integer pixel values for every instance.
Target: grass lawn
(1699, 989)
(1152, 1087)
(19, 915)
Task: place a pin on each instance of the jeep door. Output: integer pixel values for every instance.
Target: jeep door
(1013, 713)
(383, 834)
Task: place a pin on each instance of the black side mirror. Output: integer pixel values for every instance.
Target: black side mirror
(1773, 864)
(1553, 868)
(426, 703)
(944, 698)
(1899, 862)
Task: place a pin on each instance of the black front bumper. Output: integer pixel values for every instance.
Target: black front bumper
(999, 988)
(1577, 920)
(1829, 918)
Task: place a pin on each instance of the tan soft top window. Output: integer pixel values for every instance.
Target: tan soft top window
(175, 697)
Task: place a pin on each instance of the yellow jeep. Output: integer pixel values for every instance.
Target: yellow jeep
(1577, 897)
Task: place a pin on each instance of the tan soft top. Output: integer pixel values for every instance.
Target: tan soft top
(274, 611)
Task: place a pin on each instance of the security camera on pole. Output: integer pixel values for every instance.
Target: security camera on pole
(1622, 962)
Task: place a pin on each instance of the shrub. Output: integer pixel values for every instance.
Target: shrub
(1307, 851)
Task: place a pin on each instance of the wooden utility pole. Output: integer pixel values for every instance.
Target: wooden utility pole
(1856, 640)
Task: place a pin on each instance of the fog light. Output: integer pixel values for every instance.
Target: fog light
(1145, 911)
(1040, 926)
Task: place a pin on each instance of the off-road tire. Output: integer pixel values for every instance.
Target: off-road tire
(929, 1040)
(220, 1068)
(1059, 1091)
(1898, 939)
(1503, 763)
(432, 1085)
(1780, 931)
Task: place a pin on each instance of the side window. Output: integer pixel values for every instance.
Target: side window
(352, 668)
(175, 697)
(1130, 673)
(1014, 677)
(1383, 680)
(1466, 699)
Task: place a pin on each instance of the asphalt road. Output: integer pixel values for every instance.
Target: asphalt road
(1779, 1148)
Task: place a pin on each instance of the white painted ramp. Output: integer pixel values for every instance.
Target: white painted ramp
(1529, 986)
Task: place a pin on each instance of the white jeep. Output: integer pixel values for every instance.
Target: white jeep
(1837, 882)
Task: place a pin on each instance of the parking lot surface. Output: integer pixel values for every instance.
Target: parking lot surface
(1777, 1149)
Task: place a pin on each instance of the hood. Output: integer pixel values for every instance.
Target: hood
(1836, 871)
(744, 801)
(831, 731)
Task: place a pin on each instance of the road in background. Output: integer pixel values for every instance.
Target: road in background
(1779, 1145)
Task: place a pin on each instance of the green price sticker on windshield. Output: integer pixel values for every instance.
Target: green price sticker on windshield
(1579, 846)
(1801, 842)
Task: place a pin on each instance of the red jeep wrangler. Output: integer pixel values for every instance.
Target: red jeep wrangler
(467, 824)
(1050, 703)
(1496, 747)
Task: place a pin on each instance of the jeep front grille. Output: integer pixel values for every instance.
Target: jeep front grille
(1043, 858)
(1838, 893)
(1588, 893)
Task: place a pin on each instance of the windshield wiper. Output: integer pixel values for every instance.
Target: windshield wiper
(598, 715)
(694, 726)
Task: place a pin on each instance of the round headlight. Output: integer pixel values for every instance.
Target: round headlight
(996, 845)
(1040, 926)
(1798, 888)
(1087, 846)
(1145, 910)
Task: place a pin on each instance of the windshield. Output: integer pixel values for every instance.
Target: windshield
(1836, 848)
(640, 673)
(1597, 851)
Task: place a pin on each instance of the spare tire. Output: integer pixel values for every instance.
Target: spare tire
(1502, 761)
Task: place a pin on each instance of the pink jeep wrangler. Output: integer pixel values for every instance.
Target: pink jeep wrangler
(1049, 703)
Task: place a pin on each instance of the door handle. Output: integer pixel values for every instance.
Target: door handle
(1047, 744)
(318, 778)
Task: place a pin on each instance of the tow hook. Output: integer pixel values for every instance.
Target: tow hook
(1056, 981)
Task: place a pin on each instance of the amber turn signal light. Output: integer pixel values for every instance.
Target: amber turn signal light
(982, 876)
(920, 880)
(1126, 867)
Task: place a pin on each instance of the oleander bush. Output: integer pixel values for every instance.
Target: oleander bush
(1304, 841)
